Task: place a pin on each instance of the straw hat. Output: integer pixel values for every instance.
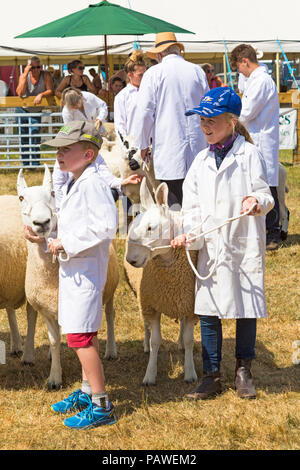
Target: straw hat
(162, 42)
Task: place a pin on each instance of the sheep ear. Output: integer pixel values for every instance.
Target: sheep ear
(21, 183)
(161, 194)
(146, 198)
(47, 181)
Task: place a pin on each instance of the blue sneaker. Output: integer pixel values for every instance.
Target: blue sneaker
(92, 417)
(77, 400)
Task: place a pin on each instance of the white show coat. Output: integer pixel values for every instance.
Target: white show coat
(260, 114)
(236, 289)
(94, 108)
(86, 225)
(243, 79)
(60, 178)
(124, 111)
(166, 92)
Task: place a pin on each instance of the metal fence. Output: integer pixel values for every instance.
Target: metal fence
(22, 133)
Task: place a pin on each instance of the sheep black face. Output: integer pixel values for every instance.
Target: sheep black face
(133, 154)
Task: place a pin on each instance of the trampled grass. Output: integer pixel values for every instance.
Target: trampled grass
(159, 417)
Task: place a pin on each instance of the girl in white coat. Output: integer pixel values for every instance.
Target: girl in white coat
(227, 179)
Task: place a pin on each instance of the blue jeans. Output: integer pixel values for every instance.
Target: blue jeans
(34, 141)
(211, 335)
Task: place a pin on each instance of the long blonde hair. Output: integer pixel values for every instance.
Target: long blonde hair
(71, 97)
(238, 127)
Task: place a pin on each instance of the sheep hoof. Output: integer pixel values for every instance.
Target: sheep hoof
(53, 386)
(17, 353)
(148, 383)
(110, 356)
(27, 363)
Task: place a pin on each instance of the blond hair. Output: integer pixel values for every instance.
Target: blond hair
(85, 145)
(238, 126)
(136, 59)
(71, 97)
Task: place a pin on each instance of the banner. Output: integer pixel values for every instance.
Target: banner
(288, 128)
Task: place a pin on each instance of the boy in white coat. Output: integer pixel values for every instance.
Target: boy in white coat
(87, 224)
(223, 180)
(260, 115)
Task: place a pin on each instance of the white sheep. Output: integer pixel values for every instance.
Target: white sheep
(162, 280)
(41, 280)
(13, 253)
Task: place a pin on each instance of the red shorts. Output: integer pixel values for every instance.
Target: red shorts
(80, 340)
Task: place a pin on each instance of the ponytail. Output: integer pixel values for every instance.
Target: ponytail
(136, 58)
(239, 127)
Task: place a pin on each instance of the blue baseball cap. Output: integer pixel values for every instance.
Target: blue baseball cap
(218, 101)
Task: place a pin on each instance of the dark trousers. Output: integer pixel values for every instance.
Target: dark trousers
(34, 140)
(175, 191)
(212, 337)
(272, 219)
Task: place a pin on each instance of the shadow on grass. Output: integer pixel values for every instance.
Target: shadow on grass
(291, 240)
(124, 375)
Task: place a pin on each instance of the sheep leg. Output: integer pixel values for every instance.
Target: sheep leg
(155, 341)
(16, 346)
(28, 354)
(188, 339)
(147, 334)
(55, 377)
(111, 347)
(180, 337)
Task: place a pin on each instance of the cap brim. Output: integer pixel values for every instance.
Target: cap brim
(206, 112)
(56, 143)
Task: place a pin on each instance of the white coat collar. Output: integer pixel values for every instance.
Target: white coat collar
(237, 149)
(131, 88)
(88, 171)
(258, 71)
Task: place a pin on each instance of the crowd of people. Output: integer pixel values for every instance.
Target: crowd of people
(217, 153)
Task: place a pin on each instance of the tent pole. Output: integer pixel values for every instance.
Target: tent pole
(106, 76)
(277, 72)
(225, 69)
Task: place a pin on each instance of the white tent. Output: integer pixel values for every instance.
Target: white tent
(258, 22)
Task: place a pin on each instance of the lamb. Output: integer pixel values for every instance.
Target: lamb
(13, 253)
(162, 280)
(41, 279)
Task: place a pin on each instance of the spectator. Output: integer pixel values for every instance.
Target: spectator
(167, 90)
(76, 79)
(38, 83)
(116, 84)
(212, 80)
(260, 114)
(97, 82)
(57, 78)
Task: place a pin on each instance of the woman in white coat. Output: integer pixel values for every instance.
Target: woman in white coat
(227, 178)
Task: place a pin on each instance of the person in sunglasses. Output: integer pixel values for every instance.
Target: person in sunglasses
(38, 83)
(76, 79)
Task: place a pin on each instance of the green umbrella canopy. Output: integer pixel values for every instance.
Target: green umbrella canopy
(103, 18)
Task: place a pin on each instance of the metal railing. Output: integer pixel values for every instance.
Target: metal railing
(22, 133)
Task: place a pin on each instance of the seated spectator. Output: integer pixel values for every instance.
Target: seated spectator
(57, 78)
(76, 79)
(116, 84)
(212, 80)
(96, 80)
(38, 83)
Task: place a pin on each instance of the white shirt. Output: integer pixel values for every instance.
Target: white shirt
(260, 114)
(236, 289)
(243, 80)
(94, 108)
(124, 111)
(166, 92)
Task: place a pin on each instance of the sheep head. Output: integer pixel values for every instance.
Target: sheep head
(153, 227)
(131, 152)
(38, 204)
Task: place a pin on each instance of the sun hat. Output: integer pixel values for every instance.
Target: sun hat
(162, 42)
(75, 131)
(218, 101)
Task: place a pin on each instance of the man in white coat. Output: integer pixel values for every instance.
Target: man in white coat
(167, 91)
(260, 114)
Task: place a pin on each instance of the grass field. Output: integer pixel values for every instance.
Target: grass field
(159, 417)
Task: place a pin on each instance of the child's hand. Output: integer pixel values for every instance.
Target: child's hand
(132, 179)
(179, 241)
(247, 203)
(31, 236)
(55, 246)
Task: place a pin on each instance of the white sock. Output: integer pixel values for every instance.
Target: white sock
(101, 399)
(85, 387)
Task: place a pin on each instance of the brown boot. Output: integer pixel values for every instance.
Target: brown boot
(210, 387)
(243, 379)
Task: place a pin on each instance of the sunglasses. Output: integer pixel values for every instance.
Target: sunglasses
(81, 67)
(36, 67)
